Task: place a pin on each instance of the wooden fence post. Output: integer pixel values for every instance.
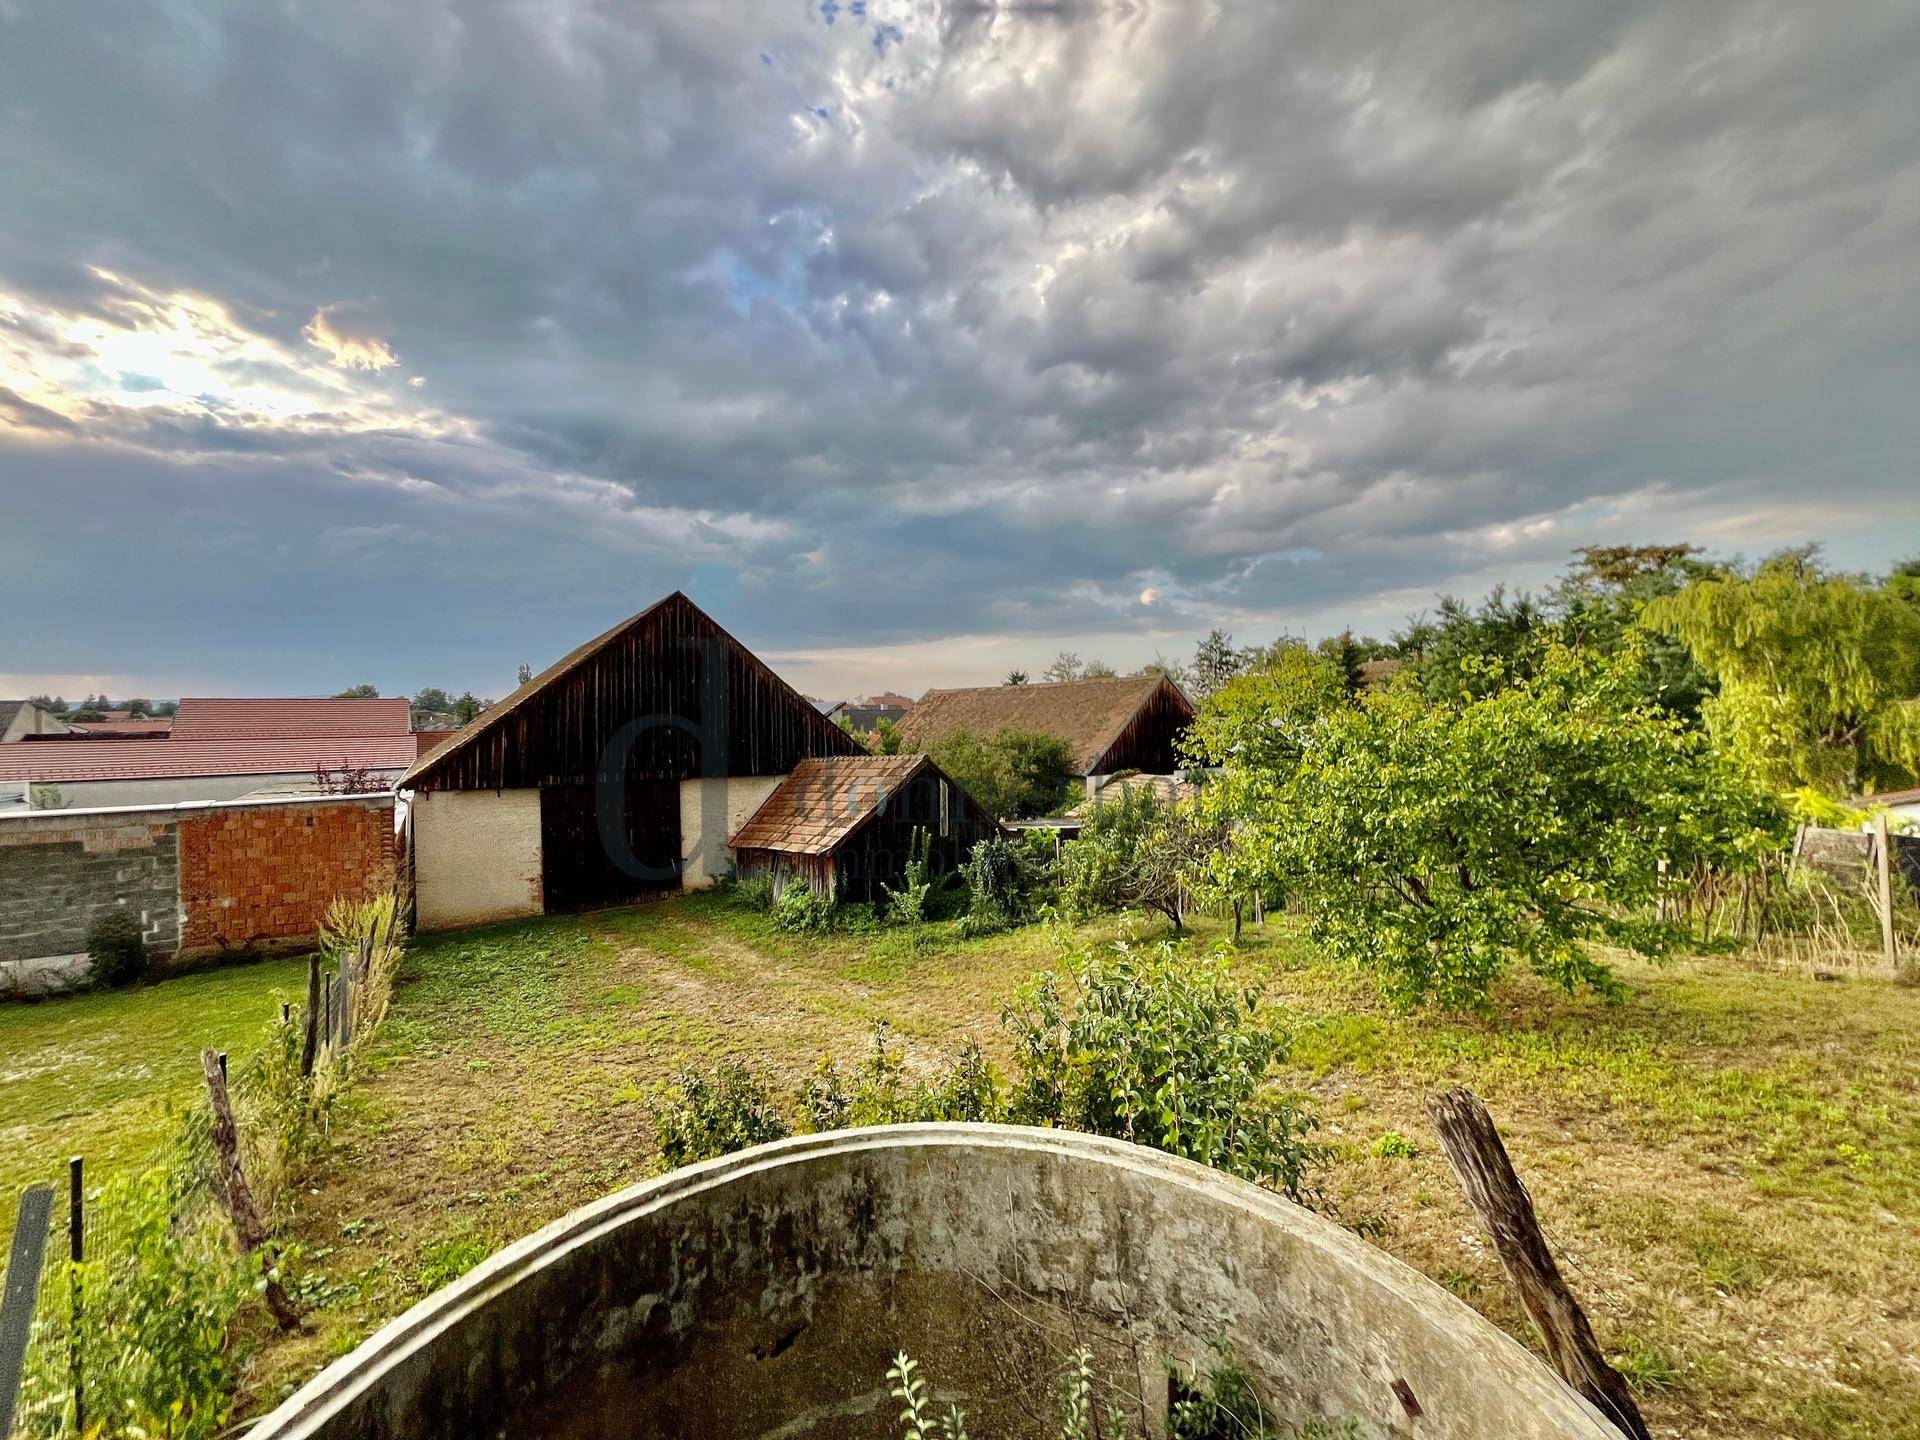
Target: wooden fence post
(1493, 1189)
(77, 1253)
(29, 1247)
(312, 1050)
(238, 1195)
(1883, 849)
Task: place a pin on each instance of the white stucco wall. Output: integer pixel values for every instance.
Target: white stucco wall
(476, 857)
(172, 789)
(710, 811)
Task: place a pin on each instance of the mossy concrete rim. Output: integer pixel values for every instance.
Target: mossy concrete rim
(406, 1342)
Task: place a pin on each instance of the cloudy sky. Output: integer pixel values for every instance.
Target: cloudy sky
(405, 343)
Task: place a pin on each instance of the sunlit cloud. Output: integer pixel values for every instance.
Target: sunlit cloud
(332, 332)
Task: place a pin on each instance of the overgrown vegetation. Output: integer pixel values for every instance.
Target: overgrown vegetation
(1142, 1042)
(163, 1285)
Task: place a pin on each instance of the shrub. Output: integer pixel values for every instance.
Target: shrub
(116, 949)
(1161, 1048)
(366, 939)
(908, 904)
(995, 897)
(803, 910)
(1394, 1146)
(753, 891)
(969, 1089)
(1137, 853)
(715, 1113)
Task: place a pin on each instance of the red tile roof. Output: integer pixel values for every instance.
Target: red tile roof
(260, 719)
(155, 725)
(824, 801)
(163, 759)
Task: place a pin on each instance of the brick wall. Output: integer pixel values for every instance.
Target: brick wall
(56, 880)
(251, 876)
(205, 879)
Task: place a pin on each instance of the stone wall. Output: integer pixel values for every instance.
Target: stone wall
(204, 878)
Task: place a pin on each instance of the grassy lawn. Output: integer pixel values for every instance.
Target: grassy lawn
(1728, 1161)
(96, 1075)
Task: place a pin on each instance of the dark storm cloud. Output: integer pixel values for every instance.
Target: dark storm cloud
(1006, 316)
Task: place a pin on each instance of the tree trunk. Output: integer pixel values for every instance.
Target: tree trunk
(1497, 1196)
(235, 1192)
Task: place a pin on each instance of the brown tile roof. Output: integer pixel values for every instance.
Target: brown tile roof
(1375, 673)
(172, 757)
(1088, 714)
(261, 719)
(824, 801)
(153, 725)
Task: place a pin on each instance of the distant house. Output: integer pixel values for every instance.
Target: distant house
(217, 749)
(865, 716)
(1123, 723)
(619, 771)
(86, 773)
(22, 719)
(144, 727)
(251, 718)
(887, 700)
(846, 824)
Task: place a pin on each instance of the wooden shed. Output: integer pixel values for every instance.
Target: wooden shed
(616, 772)
(846, 825)
(1123, 722)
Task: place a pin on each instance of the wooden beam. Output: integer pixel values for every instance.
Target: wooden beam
(1493, 1189)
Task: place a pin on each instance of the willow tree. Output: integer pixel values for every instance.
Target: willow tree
(1818, 673)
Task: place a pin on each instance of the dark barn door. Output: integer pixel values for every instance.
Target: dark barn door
(575, 867)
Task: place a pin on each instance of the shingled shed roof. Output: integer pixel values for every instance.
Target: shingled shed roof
(1090, 715)
(824, 801)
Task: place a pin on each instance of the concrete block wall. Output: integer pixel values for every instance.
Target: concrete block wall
(205, 878)
(56, 880)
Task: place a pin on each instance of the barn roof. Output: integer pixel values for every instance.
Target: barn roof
(1088, 714)
(819, 805)
(223, 718)
(580, 660)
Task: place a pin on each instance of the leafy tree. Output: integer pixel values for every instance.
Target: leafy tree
(1135, 852)
(1599, 604)
(466, 708)
(1014, 773)
(1904, 582)
(1448, 652)
(1346, 655)
(433, 700)
(1215, 662)
(1015, 677)
(1097, 670)
(887, 738)
(523, 674)
(1817, 673)
(139, 708)
(1066, 666)
(359, 692)
(1432, 840)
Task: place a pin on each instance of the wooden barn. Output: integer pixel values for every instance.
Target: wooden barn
(1122, 723)
(846, 825)
(617, 772)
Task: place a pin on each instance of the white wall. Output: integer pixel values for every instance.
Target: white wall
(710, 811)
(476, 857)
(170, 790)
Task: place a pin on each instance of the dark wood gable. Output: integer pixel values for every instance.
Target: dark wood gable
(645, 701)
(1150, 740)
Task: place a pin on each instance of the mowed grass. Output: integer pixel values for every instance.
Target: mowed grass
(1728, 1162)
(98, 1075)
